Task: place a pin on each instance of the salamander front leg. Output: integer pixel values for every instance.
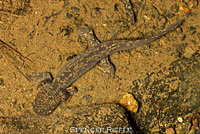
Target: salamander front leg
(38, 77)
(67, 93)
(43, 78)
(104, 65)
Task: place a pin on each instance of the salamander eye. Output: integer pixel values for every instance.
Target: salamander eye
(129, 102)
(44, 83)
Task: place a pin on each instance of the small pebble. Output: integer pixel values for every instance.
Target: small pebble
(180, 119)
(192, 28)
(1, 82)
(182, 128)
(175, 8)
(183, 37)
(169, 131)
(69, 16)
(179, 30)
(189, 51)
(85, 100)
(75, 9)
(195, 123)
(170, 15)
(193, 32)
(193, 3)
(129, 102)
(198, 35)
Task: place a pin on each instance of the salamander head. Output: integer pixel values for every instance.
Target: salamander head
(46, 100)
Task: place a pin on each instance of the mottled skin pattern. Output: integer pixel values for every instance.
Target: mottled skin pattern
(51, 91)
(104, 65)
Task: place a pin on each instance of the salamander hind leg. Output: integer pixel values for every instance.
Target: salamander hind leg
(104, 65)
(107, 67)
(88, 33)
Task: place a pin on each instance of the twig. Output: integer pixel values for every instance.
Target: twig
(7, 13)
(12, 49)
(19, 71)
